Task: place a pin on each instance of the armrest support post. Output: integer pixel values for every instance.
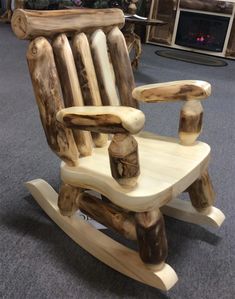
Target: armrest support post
(124, 159)
(190, 124)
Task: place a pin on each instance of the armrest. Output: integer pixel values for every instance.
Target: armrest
(104, 119)
(184, 90)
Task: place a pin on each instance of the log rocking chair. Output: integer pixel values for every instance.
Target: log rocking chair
(88, 104)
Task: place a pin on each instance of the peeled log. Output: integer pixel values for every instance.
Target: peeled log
(124, 159)
(201, 193)
(190, 125)
(150, 229)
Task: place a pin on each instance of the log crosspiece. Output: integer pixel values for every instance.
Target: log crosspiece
(190, 124)
(108, 214)
(124, 159)
(68, 199)
(151, 236)
(201, 193)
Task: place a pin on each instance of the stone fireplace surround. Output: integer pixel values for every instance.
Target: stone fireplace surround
(169, 11)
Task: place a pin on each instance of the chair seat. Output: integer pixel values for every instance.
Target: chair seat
(167, 169)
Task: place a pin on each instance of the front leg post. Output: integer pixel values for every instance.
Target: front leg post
(151, 236)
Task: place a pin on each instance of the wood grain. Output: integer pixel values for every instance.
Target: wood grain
(106, 119)
(190, 124)
(109, 215)
(122, 67)
(68, 199)
(151, 235)
(28, 24)
(184, 90)
(202, 193)
(107, 250)
(173, 169)
(87, 78)
(124, 159)
(71, 88)
(103, 69)
(47, 91)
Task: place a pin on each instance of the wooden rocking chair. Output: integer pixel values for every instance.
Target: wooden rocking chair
(138, 177)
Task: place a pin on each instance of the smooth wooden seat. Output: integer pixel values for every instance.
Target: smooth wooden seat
(167, 169)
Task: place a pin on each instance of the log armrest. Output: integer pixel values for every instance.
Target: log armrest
(184, 90)
(103, 119)
(122, 121)
(189, 91)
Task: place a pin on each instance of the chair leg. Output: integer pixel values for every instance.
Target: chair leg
(151, 236)
(68, 199)
(201, 193)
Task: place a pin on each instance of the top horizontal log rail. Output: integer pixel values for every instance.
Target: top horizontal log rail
(28, 24)
(104, 119)
(184, 90)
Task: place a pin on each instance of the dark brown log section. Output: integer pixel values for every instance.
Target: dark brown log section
(124, 159)
(122, 67)
(108, 215)
(201, 193)
(208, 5)
(151, 236)
(28, 24)
(87, 78)
(68, 199)
(71, 88)
(191, 116)
(47, 91)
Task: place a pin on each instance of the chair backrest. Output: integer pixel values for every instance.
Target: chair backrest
(93, 69)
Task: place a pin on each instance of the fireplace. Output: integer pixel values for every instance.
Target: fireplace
(202, 31)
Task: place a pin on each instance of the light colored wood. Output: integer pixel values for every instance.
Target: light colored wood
(108, 214)
(87, 78)
(28, 24)
(167, 169)
(151, 236)
(68, 199)
(184, 90)
(103, 69)
(122, 67)
(110, 252)
(190, 124)
(202, 193)
(48, 96)
(106, 119)
(183, 210)
(71, 88)
(124, 159)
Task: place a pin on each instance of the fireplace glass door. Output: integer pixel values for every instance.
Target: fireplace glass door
(202, 31)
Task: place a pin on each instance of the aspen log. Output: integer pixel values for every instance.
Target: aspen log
(48, 96)
(151, 236)
(202, 193)
(28, 24)
(122, 67)
(190, 124)
(108, 215)
(71, 88)
(87, 78)
(124, 159)
(68, 199)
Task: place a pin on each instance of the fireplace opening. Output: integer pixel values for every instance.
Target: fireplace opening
(202, 31)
